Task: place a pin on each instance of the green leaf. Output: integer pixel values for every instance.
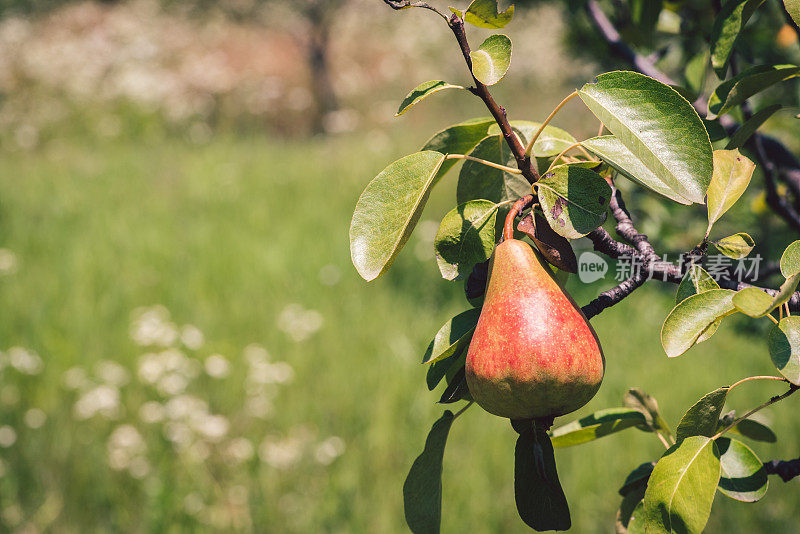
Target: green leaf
(736, 90)
(460, 138)
(729, 22)
(630, 506)
(696, 280)
(658, 126)
(456, 12)
(446, 367)
(550, 142)
(477, 181)
(754, 430)
(596, 425)
(681, 489)
(696, 70)
(423, 91)
(574, 200)
(465, 237)
(740, 137)
(743, 475)
(452, 336)
(636, 477)
(638, 399)
(732, 173)
(736, 246)
(613, 152)
(540, 500)
(491, 60)
(784, 348)
(388, 211)
(687, 321)
(702, 418)
(484, 14)
(457, 388)
(754, 302)
(793, 8)
(790, 260)
(422, 490)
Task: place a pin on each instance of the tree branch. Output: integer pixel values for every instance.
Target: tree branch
(787, 470)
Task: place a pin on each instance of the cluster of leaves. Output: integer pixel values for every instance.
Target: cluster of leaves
(657, 140)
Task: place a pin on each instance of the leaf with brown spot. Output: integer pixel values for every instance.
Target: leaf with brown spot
(555, 248)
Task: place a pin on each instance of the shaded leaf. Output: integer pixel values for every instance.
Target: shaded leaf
(596, 425)
(457, 388)
(754, 302)
(732, 174)
(475, 284)
(696, 280)
(555, 248)
(736, 246)
(491, 60)
(388, 210)
(681, 488)
(422, 490)
(446, 367)
(574, 200)
(784, 348)
(696, 70)
(466, 236)
(423, 91)
(613, 152)
(454, 334)
(460, 138)
(754, 430)
(540, 500)
(658, 126)
(637, 477)
(689, 320)
(743, 475)
(702, 418)
(790, 260)
(736, 90)
(477, 181)
(484, 14)
(740, 137)
(729, 22)
(631, 502)
(550, 142)
(647, 404)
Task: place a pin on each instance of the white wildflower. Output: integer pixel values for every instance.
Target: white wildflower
(76, 378)
(255, 354)
(259, 406)
(299, 323)
(25, 361)
(35, 418)
(330, 449)
(101, 400)
(152, 326)
(212, 427)
(112, 373)
(172, 384)
(151, 412)
(192, 337)
(8, 436)
(280, 454)
(8, 262)
(239, 450)
(185, 407)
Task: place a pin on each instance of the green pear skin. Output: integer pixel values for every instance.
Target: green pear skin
(533, 354)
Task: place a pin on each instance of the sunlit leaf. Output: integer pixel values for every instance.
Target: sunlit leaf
(754, 302)
(613, 152)
(689, 320)
(681, 488)
(491, 60)
(743, 475)
(550, 142)
(793, 8)
(784, 348)
(596, 425)
(790, 260)
(702, 418)
(696, 280)
(540, 500)
(658, 126)
(453, 335)
(460, 138)
(736, 90)
(422, 490)
(446, 367)
(479, 182)
(388, 211)
(423, 91)
(736, 246)
(484, 14)
(729, 22)
(574, 200)
(732, 173)
(740, 136)
(466, 236)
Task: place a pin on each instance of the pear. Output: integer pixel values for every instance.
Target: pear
(533, 354)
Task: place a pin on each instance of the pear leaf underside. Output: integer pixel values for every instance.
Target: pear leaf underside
(743, 477)
(466, 236)
(784, 348)
(703, 417)
(423, 91)
(479, 182)
(687, 321)
(574, 200)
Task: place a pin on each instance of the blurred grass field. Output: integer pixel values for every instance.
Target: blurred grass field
(322, 405)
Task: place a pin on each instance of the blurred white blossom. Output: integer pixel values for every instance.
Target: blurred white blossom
(151, 412)
(152, 326)
(192, 337)
(8, 436)
(8, 262)
(112, 373)
(217, 366)
(239, 450)
(25, 361)
(298, 322)
(281, 454)
(330, 449)
(101, 400)
(76, 378)
(126, 449)
(35, 418)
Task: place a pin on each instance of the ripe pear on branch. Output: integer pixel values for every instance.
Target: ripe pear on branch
(534, 354)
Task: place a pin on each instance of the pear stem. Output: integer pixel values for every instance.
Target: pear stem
(516, 209)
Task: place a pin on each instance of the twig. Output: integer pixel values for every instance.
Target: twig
(787, 470)
(770, 402)
(403, 4)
